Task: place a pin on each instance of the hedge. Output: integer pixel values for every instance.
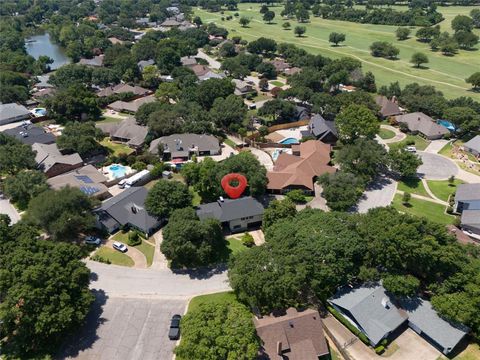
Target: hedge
(347, 323)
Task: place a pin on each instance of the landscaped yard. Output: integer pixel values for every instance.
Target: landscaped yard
(230, 143)
(115, 257)
(277, 83)
(413, 186)
(443, 189)
(419, 142)
(145, 247)
(196, 200)
(386, 134)
(116, 148)
(235, 245)
(218, 298)
(446, 73)
(423, 208)
(472, 352)
(109, 119)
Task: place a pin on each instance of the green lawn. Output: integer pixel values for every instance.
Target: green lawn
(443, 189)
(386, 134)
(230, 143)
(447, 74)
(413, 186)
(423, 208)
(235, 245)
(277, 83)
(196, 200)
(109, 119)
(115, 257)
(116, 148)
(446, 150)
(145, 247)
(420, 143)
(218, 298)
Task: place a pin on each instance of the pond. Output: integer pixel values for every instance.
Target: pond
(41, 44)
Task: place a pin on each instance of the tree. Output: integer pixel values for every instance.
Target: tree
(341, 190)
(301, 13)
(187, 241)
(168, 91)
(300, 30)
(406, 198)
(197, 21)
(166, 196)
(465, 39)
(465, 119)
(286, 25)
(263, 84)
(384, 49)
(228, 111)
(64, 213)
(418, 59)
(226, 326)
(277, 109)
(336, 38)
(402, 33)
(264, 9)
(475, 15)
(268, 16)
(356, 121)
(267, 70)
(211, 89)
(404, 162)
(15, 156)
(244, 21)
(278, 210)
(262, 46)
(297, 196)
(462, 23)
(401, 285)
(474, 79)
(227, 50)
(45, 295)
(167, 59)
(24, 186)
(82, 138)
(426, 34)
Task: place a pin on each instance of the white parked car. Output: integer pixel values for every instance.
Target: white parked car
(120, 247)
(92, 240)
(412, 149)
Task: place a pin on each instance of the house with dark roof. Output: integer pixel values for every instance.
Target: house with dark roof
(323, 130)
(127, 209)
(473, 146)
(184, 146)
(423, 124)
(127, 132)
(387, 107)
(301, 113)
(142, 64)
(300, 169)
(87, 178)
(13, 112)
(52, 162)
(131, 107)
(242, 87)
(467, 202)
(137, 91)
(30, 134)
(294, 335)
(236, 215)
(377, 314)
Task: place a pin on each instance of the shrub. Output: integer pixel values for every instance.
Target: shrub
(449, 210)
(347, 323)
(134, 239)
(406, 197)
(297, 196)
(100, 259)
(379, 349)
(247, 240)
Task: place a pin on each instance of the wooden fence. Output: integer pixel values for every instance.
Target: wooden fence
(288, 125)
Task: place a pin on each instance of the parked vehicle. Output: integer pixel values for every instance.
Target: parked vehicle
(120, 247)
(92, 240)
(141, 176)
(174, 332)
(412, 149)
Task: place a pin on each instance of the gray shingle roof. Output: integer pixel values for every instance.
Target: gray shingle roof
(201, 142)
(130, 131)
(87, 178)
(471, 218)
(230, 209)
(321, 127)
(371, 308)
(47, 155)
(467, 192)
(422, 123)
(30, 134)
(473, 144)
(13, 112)
(95, 61)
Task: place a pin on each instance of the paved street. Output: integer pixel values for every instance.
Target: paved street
(436, 145)
(214, 64)
(380, 193)
(8, 209)
(436, 167)
(126, 329)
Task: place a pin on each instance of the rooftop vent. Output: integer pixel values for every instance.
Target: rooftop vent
(385, 303)
(290, 323)
(134, 209)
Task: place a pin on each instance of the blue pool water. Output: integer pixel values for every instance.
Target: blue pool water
(289, 141)
(447, 124)
(117, 170)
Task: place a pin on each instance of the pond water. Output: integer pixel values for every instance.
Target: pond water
(42, 45)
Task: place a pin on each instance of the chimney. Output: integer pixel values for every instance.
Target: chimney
(290, 323)
(134, 209)
(279, 348)
(418, 118)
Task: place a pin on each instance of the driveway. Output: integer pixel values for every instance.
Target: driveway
(318, 202)
(379, 193)
(436, 167)
(8, 209)
(413, 346)
(214, 64)
(263, 157)
(399, 136)
(125, 329)
(133, 253)
(435, 146)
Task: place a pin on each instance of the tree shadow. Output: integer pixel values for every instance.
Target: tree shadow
(421, 67)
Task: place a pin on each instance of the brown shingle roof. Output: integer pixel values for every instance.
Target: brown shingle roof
(299, 335)
(292, 170)
(387, 107)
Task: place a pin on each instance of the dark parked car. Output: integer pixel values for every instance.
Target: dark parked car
(174, 332)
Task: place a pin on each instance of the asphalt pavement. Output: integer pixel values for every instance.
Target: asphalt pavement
(436, 167)
(8, 209)
(379, 193)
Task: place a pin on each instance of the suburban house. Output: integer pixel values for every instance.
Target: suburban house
(294, 335)
(184, 146)
(127, 209)
(95, 61)
(387, 107)
(235, 214)
(467, 202)
(131, 107)
(473, 146)
(301, 113)
(188, 61)
(292, 71)
(420, 123)
(30, 134)
(280, 65)
(87, 178)
(43, 93)
(137, 91)
(127, 131)
(142, 64)
(170, 23)
(204, 72)
(52, 162)
(372, 310)
(13, 112)
(243, 88)
(300, 169)
(116, 41)
(43, 82)
(323, 130)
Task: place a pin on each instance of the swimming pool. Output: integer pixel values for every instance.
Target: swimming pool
(288, 140)
(447, 124)
(117, 170)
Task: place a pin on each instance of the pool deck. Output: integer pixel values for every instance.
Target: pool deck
(110, 174)
(295, 132)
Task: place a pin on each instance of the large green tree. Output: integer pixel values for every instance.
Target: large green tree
(341, 190)
(24, 186)
(15, 156)
(356, 121)
(166, 196)
(228, 111)
(277, 210)
(404, 162)
(81, 138)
